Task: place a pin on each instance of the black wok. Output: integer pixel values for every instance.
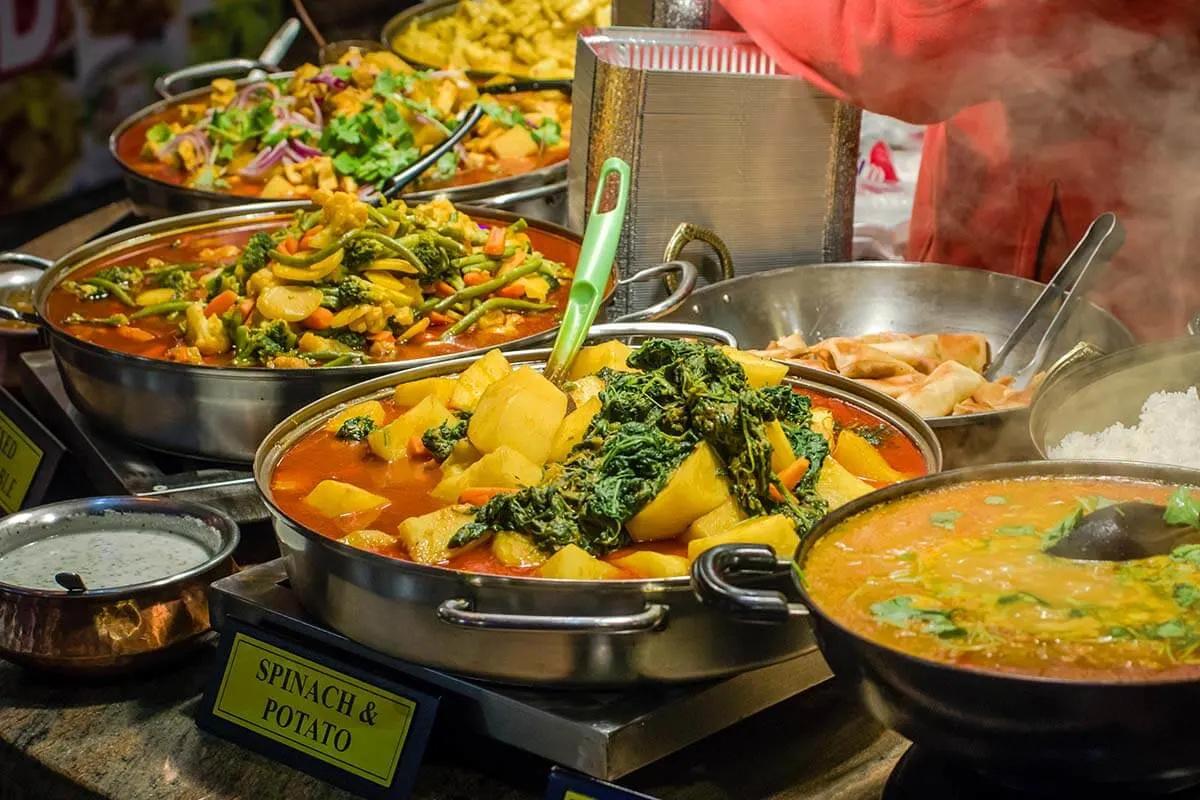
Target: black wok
(1135, 737)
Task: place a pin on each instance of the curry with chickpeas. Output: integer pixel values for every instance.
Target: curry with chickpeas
(643, 460)
(344, 283)
(346, 127)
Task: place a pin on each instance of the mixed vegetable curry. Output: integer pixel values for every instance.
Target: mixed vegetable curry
(960, 575)
(348, 127)
(649, 457)
(343, 284)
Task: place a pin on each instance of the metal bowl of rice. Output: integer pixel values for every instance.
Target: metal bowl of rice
(1140, 404)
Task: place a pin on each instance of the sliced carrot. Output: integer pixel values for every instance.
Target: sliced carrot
(318, 320)
(513, 290)
(495, 242)
(443, 289)
(135, 334)
(247, 308)
(288, 245)
(438, 318)
(383, 336)
(309, 234)
(221, 303)
(416, 448)
(790, 475)
(477, 277)
(479, 496)
(158, 351)
(514, 262)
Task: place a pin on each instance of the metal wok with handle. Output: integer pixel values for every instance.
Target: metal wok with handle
(222, 413)
(1129, 736)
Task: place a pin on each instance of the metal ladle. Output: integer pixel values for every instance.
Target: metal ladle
(1124, 532)
(1079, 271)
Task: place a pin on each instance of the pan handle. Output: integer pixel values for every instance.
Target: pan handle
(711, 575)
(25, 260)
(460, 611)
(685, 284)
(687, 233)
(165, 84)
(520, 196)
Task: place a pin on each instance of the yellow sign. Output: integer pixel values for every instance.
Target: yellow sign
(574, 795)
(19, 460)
(328, 715)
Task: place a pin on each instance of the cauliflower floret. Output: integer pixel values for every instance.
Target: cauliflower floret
(343, 212)
(206, 334)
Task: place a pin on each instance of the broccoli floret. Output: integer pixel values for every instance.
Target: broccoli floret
(85, 291)
(353, 290)
(255, 254)
(124, 276)
(178, 278)
(440, 441)
(358, 253)
(435, 259)
(356, 429)
(355, 341)
(261, 344)
(227, 278)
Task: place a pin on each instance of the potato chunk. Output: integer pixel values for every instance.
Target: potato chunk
(696, 488)
(516, 550)
(391, 441)
(759, 371)
(776, 530)
(476, 378)
(409, 394)
(860, 458)
(521, 410)
(822, 423)
(611, 354)
(503, 468)
(649, 564)
(573, 563)
(427, 537)
(584, 389)
(719, 520)
(516, 142)
(369, 540)
(338, 498)
(572, 429)
(781, 449)
(370, 408)
(836, 486)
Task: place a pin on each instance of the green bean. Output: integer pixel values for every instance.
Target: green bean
(344, 359)
(376, 217)
(470, 261)
(115, 289)
(452, 232)
(446, 243)
(161, 308)
(308, 259)
(393, 213)
(494, 304)
(508, 253)
(395, 247)
(531, 264)
(518, 226)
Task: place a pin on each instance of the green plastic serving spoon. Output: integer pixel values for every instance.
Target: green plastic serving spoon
(595, 265)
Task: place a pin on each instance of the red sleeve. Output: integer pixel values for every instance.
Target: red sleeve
(917, 60)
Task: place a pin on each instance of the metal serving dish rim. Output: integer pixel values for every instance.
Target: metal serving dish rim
(542, 175)
(297, 425)
(216, 520)
(233, 215)
(1127, 471)
(949, 421)
(1101, 367)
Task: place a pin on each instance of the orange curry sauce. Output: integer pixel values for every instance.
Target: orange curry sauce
(406, 484)
(191, 248)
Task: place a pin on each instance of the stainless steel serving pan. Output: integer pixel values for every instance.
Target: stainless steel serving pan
(222, 413)
(1105, 390)
(534, 630)
(538, 194)
(111, 630)
(824, 300)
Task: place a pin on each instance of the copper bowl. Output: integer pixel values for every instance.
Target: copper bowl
(118, 629)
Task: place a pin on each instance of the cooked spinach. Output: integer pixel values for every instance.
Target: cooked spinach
(945, 519)
(1182, 509)
(649, 422)
(900, 612)
(440, 441)
(356, 429)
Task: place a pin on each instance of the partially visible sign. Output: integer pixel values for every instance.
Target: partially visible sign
(28, 456)
(311, 711)
(566, 785)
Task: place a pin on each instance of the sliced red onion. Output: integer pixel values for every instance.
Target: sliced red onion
(330, 80)
(264, 161)
(318, 117)
(243, 97)
(302, 150)
(367, 192)
(198, 140)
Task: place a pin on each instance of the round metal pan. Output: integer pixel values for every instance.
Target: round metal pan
(535, 630)
(222, 413)
(826, 300)
(538, 194)
(1067, 738)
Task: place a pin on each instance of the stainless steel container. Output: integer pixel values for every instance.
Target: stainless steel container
(534, 630)
(110, 630)
(222, 413)
(715, 135)
(826, 300)
(539, 194)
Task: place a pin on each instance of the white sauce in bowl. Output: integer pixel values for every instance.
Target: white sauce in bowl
(104, 559)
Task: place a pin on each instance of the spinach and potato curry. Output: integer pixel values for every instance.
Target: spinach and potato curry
(649, 457)
(960, 575)
(342, 284)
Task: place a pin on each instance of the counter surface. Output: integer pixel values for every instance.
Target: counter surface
(135, 739)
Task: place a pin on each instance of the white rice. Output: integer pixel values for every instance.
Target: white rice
(1167, 432)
